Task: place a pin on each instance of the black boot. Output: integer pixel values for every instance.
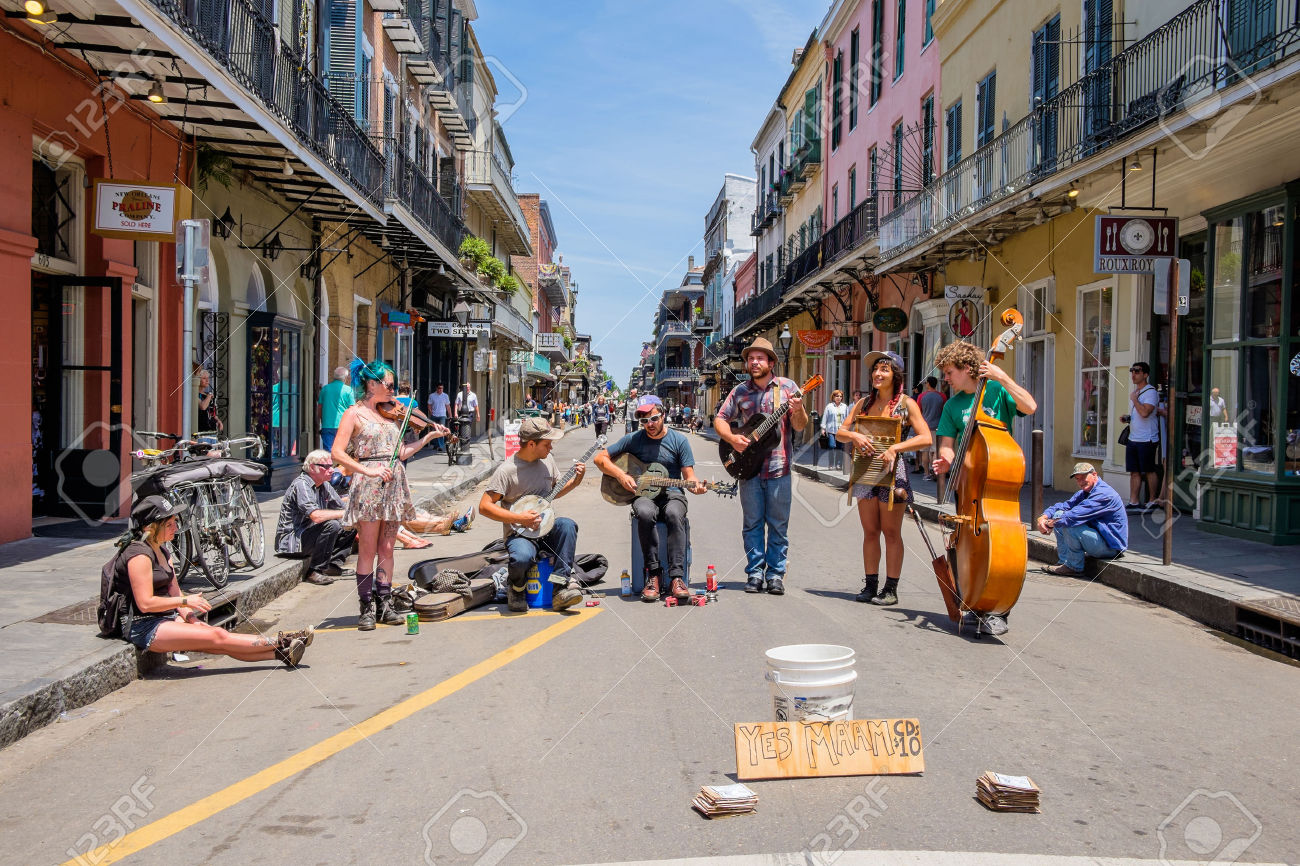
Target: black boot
(385, 613)
(366, 621)
(888, 595)
(869, 586)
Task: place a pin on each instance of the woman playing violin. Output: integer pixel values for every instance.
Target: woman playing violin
(380, 498)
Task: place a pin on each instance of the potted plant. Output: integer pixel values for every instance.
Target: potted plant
(474, 252)
(492, 271)
(508, 284)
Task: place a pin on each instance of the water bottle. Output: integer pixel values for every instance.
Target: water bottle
(500, 578)
(711, 579)
(626, 581)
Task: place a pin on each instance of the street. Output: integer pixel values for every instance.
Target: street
(582, 737)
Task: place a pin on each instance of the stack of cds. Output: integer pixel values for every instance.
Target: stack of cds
(1007, 793)
(724, 801)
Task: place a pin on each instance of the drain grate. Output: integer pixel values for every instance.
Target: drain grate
(81, 613)
(1273, 623)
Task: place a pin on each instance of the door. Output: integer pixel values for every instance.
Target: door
(1046, 85)
(1099, 16)
(1035, 366)
(142, 366)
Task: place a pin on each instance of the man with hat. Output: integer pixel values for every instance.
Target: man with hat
(311, 522)
(765, 498)
(1092, 523)
(532, 471)
(656, 443)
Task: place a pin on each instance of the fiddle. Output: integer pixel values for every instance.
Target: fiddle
(398, 413)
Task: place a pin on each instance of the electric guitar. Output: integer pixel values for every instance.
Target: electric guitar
(542, 504)
(650, 479)
(763, 431)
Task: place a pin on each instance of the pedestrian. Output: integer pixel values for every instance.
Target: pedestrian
(765, 498)
(1141, 452)
(334, 399)
(209, 422)
(600, 415)
(629, 412)
(832, 417)
(159, 617)
(1092, 522)
(881, 507)
(931, 402)
(466, 412)
(439, 404)
(380, 499)
(311, 522)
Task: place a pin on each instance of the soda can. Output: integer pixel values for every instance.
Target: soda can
(670, 601)
(412, 623)
(594, 602)
(698, 600)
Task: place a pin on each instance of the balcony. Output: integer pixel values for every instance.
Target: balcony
(767, 210)
(411, 193)
(551, 283)
(430, 67)
(849, 233)
(453, 98)
(507, 322)
(488, 183)
(1197, 56)
(672, 329)
(703, 322)
(551, 344)
(808, 157)
(403, 32)
(675, 375)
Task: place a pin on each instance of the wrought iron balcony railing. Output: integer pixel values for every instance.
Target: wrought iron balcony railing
(485, 168)
(411, 186)
(236, 35)
(1186, 62)
(765, 211)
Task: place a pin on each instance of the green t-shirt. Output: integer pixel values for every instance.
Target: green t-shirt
(956, 412)
(335, 399)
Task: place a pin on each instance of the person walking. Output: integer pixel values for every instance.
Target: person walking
(466, 411)
(600, 416)
(629, 412)
(1141, 452)
(881, 507)
(334, 399)
(832, 417)
(765, 498)
(439, 405)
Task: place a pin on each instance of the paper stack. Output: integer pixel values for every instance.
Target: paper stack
(1007, 793)
(724, 801)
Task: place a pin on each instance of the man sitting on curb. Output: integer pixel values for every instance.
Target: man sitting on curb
(532, 470)
(1092, 523)
(311, 522)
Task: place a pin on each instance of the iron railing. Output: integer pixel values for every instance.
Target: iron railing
(669, 374)
(236, 35)
(1187, 61)
(850, 232)
(412, 187)
(485, 168)
(765, 211)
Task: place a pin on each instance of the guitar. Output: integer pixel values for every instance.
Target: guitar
(650, 479)
(542, 504)
(763, 431)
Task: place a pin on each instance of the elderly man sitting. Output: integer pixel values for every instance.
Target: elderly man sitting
(311, 522)
(1092, 523)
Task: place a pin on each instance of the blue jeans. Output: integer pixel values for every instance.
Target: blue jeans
(327, 435)
(765, 503)
(439, 444)
(560, 544)
(1073, 543)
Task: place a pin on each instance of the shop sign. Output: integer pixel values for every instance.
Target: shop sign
(453, 330)
(890, 320)
(814, 342)
(139, 211)
(1225, 446)
(396, 319)
(843, 345)
(1295, 366)
(1133, 245)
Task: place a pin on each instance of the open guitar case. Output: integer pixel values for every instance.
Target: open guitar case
(589, 568)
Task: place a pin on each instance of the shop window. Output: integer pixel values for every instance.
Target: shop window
(1093, 356)
(1255, 429)
(1293, 426)
(55, 196)
(1263, 294)
(1227, 278)
(275, 382)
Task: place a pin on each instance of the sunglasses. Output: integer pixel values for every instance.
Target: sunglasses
(1136, 370)
(321, 465)
(652, 419)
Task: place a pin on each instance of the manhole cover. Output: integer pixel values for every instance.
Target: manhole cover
(81, 613)
(1281, 603)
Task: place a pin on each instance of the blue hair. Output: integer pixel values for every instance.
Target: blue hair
(361, 371)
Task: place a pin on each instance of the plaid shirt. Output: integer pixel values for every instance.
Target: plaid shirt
(747, 400)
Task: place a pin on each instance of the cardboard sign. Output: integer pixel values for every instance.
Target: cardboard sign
(853, 747)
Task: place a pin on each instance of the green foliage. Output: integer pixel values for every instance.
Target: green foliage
(568, 342)
(493, 269)
(212, 164)
(508, 284)
(475, 250)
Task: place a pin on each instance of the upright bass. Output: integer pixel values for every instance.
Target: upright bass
(989, 545)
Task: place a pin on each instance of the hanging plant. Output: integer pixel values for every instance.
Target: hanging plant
(474, 252)
(212, 164)
(508, 284)
(493, 269)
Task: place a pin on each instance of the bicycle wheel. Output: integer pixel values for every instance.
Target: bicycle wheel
(183, 548)
(249, 530)
(453, 450)
(214, 559)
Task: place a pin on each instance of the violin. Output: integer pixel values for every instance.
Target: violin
(397, 412)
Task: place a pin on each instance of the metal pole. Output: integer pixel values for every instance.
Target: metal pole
(1036, 475)
(1170, 414)
(187, 340)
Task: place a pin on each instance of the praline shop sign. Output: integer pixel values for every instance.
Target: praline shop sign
(139, 211)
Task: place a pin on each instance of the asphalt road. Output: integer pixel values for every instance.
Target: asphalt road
(582, 738)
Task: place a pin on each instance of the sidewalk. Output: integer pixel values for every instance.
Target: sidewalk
(1240, 587)
(51, 657)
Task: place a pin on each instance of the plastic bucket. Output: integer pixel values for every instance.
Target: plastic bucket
(811, 682)
(539, 586)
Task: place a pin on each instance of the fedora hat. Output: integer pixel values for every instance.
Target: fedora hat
(760, 344)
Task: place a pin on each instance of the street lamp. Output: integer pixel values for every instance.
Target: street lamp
(461, 312)
(784, 341)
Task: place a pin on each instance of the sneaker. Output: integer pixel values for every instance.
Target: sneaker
(1062, 570)
(306, 635)
(567, 597)
(516, 598)
(679, 590)
(991, 624)
(754, 584)
(886, 596)
(651, 591)
(775, 586)
(464, 522)
(1134, 506)
(290, 655)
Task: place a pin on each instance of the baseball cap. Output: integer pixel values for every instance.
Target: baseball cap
(648, 402)
(533, 429)
(1082, 469)
(152, 509)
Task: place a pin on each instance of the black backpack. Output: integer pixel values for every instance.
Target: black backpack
(115, 614)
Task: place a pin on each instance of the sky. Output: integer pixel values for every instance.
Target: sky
(624, 116)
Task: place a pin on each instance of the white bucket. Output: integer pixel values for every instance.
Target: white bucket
(811, 682)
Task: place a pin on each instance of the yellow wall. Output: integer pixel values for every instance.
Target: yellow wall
(809, 198)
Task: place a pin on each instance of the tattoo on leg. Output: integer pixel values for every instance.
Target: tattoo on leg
(261, 643)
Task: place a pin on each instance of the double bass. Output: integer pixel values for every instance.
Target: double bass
(989, 545)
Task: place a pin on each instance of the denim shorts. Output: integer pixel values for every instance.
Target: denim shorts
(143, 628)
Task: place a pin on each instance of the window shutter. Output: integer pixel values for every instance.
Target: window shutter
(341, 53)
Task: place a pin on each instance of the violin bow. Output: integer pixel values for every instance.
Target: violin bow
(401, 433)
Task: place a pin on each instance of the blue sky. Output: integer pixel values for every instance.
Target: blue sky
(630, 115)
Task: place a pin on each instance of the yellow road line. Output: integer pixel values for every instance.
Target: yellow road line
(232, 795)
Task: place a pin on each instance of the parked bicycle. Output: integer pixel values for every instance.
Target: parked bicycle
(458, 441)
(224, 514)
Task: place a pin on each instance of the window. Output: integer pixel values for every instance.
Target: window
(897, 137)
(899, 40)
(929, 27)
(55, 196)
(274, 382)
(985, 106)
(873, 170)
(835, 203)
(927, 139)
(952, 135)
(837, 78)
(853, 78)
(1046, 84)
(853, 186)
(877, 49)
(1092, 414)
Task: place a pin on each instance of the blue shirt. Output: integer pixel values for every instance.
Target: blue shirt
(1101, 508)
(672, 451)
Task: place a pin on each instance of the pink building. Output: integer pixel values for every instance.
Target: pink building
(745, 278)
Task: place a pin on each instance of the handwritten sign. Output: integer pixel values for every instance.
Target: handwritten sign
(854, 747)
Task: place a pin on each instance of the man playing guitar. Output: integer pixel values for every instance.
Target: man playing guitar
(532, 471)
(655, 443)
(765, 498)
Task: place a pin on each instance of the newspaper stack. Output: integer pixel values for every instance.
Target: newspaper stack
(1007, 793)
(724, 801)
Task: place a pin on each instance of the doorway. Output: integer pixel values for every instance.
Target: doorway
(1035, 364)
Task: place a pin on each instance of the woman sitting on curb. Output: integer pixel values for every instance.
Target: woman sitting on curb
(161, 618)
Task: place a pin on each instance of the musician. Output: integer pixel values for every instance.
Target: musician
(963, 365)
(380, 498)
(532, 471)
(881, 508)
(656, 443)
(765, 498)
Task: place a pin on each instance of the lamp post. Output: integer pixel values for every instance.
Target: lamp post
(461, 312)
(785, 340)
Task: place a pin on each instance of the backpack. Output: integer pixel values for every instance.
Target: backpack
(114, 614)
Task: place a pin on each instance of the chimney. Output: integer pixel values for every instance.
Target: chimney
(690, 263)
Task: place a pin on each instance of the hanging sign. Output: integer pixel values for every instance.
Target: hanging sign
(814, 342)
(1132, 244)
(890, 320)
(452, 330)
(850, 747)
(139, 211)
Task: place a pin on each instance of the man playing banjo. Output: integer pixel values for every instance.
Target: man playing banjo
(656, 444)
(532, 471)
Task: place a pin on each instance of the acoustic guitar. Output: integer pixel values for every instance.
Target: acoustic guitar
(542, 504)
(650, 479)
(763, 431)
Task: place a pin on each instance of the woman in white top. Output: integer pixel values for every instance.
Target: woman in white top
(832, 417)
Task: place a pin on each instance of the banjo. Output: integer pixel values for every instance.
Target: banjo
(650, 479)
(542, 504)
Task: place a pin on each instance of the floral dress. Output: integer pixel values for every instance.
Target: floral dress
(902, 485)
(370, 498)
